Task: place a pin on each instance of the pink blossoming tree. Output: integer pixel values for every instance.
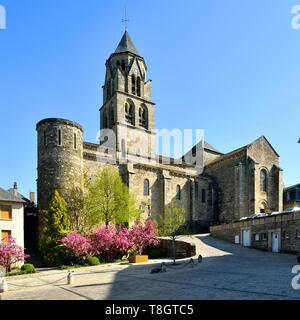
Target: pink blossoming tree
(111, 242)
(79, 245)
(11, 253)
(143, 236)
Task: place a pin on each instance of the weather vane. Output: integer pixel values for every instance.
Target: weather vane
(125, 20)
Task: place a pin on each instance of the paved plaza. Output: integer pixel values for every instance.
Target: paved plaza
(227, 272)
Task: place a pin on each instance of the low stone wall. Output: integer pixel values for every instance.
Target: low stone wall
(183, 249)
(286, 224)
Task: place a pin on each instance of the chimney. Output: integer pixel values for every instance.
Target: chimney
(15, 189)
(32, 197)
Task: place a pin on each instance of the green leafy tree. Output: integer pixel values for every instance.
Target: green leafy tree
(108, 200)
(172, 224)
(75, 201)
(56, 224)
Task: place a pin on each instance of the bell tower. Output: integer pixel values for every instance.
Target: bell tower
(127, 107)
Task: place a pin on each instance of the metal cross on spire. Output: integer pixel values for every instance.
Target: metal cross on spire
(125, 20)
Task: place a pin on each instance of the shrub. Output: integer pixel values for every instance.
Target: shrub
(92, 261)
(57, 254)
(156, 253)
(28, 268)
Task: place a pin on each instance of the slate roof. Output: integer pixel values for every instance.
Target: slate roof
(9, 196)
(244, 148)
(292, 187)
(207, 146)
(126, 45)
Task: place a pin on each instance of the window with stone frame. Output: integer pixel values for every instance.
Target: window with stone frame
(75, 140)
(138, 86)
(129, 112)
(286, 235)
(203, 196)
(108, 89)
(263, 180)
(133, 84)
(59, 138)
(146, 187)
(264, 236)
(112, 117)
(178, 192)
(143, 117)
(105, 120)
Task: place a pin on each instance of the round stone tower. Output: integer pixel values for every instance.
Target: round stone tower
(60, 158)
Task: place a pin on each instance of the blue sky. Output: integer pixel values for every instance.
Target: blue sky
(230, 67)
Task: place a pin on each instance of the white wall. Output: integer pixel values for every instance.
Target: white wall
(16, 225)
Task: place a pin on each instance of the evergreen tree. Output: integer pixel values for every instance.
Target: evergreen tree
(56, 224)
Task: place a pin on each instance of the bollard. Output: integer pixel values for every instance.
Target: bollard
(200, 258)
(3, 285)
(163, 267)
(70, 278)
(192, 263)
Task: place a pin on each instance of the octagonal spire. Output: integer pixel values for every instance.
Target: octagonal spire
(126, 45)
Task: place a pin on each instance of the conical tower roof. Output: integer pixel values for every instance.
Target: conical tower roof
(126, 45)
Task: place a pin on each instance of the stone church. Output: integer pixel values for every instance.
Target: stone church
(230, 186)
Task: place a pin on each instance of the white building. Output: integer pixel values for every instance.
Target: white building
(11, 216)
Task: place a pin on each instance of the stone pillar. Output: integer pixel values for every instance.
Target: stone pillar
(241, 197)
(166, 187)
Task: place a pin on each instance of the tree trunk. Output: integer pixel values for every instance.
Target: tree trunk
(174, 250)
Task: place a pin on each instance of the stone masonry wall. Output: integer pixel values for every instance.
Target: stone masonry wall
(287, 225)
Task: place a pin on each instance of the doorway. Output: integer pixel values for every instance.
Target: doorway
(246, 238)
(275, 242)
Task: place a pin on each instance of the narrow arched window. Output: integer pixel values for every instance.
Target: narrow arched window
(143, 117)
(45, 139)
(133, 84)
(112, 117)
(146, 187)
(263, 181)
(105, 120)
(129, 112)
(59, 137)
(75, 140)
(118, 64)
(123, 65)
(108, 89)
(138, 86)
(178, 192)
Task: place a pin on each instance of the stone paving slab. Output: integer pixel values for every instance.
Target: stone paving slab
(227, 272)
